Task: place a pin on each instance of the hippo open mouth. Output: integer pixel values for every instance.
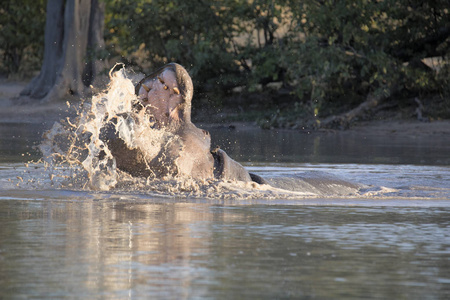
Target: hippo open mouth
(166, 95)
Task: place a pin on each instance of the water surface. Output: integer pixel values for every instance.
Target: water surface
(119, 247)
(71, 243)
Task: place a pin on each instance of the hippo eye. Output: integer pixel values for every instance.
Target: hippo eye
(165, 87)
(176, 90)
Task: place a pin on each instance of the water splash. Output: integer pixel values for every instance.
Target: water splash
(76, 157)
(74, 145)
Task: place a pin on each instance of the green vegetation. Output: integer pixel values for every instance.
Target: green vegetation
(326, 57)
(22, 35)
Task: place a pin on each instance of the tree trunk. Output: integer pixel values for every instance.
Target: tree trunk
(96, 43)
(343, 121)
(72, 27)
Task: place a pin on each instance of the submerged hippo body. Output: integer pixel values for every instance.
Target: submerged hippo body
(165, 99)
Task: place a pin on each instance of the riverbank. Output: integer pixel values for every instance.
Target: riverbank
(11, 112)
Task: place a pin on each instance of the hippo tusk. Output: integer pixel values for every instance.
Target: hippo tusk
(176, 90)
(146, 88)
(174, 113)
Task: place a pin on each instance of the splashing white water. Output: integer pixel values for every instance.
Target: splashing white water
(76, 144)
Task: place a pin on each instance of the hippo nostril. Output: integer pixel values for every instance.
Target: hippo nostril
(167, 114)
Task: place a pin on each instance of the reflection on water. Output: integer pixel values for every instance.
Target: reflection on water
(249, 145)
(18, 141)
(287, 146)
(120, 248)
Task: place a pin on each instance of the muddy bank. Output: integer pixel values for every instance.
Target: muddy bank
(403, 127)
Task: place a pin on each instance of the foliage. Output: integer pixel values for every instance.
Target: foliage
(354, 48)
(328, 54)
(188, 32)
(22, 34)
(214, 39)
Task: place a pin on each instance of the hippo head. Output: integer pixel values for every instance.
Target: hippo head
(166, 94)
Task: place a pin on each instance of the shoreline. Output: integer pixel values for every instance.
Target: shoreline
(52, 112)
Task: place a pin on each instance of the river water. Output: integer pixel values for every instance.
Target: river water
(391, 242)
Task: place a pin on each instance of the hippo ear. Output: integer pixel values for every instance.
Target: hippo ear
(227, 169)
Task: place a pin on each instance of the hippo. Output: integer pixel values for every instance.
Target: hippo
(164, 100)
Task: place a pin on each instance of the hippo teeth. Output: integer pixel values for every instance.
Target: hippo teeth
(174, 114)
(146, 88)
(176, 90)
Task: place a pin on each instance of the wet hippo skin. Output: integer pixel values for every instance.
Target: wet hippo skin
(164, 98)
